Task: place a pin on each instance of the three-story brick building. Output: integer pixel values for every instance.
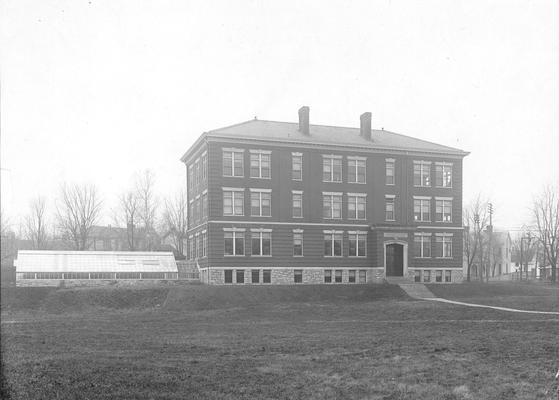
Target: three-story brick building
(278, 202)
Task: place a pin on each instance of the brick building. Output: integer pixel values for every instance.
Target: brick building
(279, 202)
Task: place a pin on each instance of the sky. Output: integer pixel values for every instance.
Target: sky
(94, 91)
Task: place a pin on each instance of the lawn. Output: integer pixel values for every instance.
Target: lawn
(331, 342)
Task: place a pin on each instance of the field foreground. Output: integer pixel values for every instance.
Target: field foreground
(335, 342)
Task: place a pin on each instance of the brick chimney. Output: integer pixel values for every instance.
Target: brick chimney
(304, 120)
(366, 126)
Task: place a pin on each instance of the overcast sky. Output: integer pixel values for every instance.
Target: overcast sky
(93, 91)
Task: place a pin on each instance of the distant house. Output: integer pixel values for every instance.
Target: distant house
(502, 254)
(110, 238)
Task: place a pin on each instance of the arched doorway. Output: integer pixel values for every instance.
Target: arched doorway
(395, 258)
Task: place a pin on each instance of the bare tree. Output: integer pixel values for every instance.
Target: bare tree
(78, 209)
(175, 219)
(128, 214)
(475, 219)
(148, 204)
(8, 248)
(546, 217)
(35, 224)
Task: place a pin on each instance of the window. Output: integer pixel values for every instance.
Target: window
(298, 276)
(443, 245)
(338, 276)
(233, 164)
(260, 202)
(58, 275)
(357, 244)
(447, 276)
(233, 201)
(195, 247)
(362, 276)
(228, 276)
(240, 275)
(204, 243)
(333, 243)
(234, 243)
(356, 167)
(351, 276)
(327, 276)
(266, 276)
(193, 211)
(426, 276)
(297, 166)
(438, 275)
(422, 173)
(389, 208)
(261, 243)
(153, 275)
(204, 166)
(191, 248)
(332, 168)
(255, 273)
(332, 205)
(390, 168)
(260, 164)
(204, 206)
(104, 275)
(297, 243)
(119, 275)
(422, 209)
(197, 172)
(200, 245)
(356, 205)
(417, 275)
(443, 210)
(297, 199)
(443, 175)
(422, 242)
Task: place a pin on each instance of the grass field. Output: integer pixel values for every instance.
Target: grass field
(331, 342)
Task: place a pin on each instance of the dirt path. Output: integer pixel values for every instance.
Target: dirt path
(492, 307)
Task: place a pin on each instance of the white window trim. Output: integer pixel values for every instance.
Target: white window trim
(357, 234)
(260, 191)
(356, 195)
(333, 233)
(421, 199)
(298, 232)
(260, 230)
(234, 231)
(423, 235)
(297, 192)
(232, 151)
(232, 191)
(332, 195)
(356, 158)
(332, 157)
(389, 196)
(261, 239)
(260, 152)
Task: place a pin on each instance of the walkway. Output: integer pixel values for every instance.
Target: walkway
(421, 292)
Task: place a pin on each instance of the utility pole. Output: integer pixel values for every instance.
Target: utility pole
(490, 231)
(480, 250)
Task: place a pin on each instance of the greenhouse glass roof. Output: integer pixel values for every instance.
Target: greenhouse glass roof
(94, 261)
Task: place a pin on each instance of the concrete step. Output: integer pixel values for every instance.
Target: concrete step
(417, 290)
(396, 280)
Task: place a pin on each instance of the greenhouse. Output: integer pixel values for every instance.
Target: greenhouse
(94, 265)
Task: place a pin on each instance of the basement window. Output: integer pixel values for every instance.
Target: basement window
(447, 276)
(338, 276)
(240, 275)
(267, 276)
(438, 276)
(255, 276)
(228, 276)
(351, 278)
(298, 276)
(327, 276)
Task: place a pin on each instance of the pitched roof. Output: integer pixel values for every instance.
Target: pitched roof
(329, 135)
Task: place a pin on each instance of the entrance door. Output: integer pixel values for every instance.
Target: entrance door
(394, 259)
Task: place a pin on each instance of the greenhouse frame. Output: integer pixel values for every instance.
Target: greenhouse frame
(40, 265)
